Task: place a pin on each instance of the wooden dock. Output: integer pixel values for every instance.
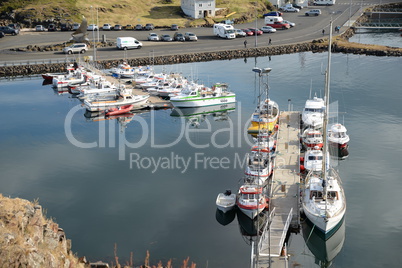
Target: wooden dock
(285, 201)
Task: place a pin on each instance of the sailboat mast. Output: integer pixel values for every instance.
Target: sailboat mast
(326, 114)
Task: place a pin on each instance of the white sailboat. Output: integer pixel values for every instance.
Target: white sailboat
(323, 200)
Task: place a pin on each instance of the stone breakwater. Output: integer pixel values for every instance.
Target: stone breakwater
(316, 46)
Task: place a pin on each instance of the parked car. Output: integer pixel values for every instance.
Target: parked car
(149, 27)
(106, 27)
(39, 28)
(15, 26)
(117, 27)
(248, 32)
(256, 31)
(92, 27)
(65, 27)
(52, 27)
(313, 12)
(166, 37)
(240, 33)
(9, 30)
(292, 24)
(290, 9)
(76, 48)
(274, 14)
(153, 37)
(139, 27)
(179, 37)
(129, 27)
(174, 27)
(189, 36)
(268, 29)
(297, 6)
(2, 35)
(76, 26)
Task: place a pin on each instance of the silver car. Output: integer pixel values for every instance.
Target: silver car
(153, 37)
(76, 48)
(166, 37)
(189, 36)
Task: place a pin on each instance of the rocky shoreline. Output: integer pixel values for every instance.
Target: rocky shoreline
(316, 46)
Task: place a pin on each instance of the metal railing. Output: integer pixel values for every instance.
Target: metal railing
(34, 62)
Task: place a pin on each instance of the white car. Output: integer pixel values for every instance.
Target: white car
(106, 27)
(240, 33)
(292, 24)
(39, 28)
(189, 36)
(92, 27)
(153, 37)
(268, 29)
(290, 9)
(76, 26)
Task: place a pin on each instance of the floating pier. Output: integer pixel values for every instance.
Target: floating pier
(270, 250)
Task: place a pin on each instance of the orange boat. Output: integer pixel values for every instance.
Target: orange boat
(121, 110)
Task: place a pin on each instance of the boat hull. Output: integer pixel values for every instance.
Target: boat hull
(202, 101)
(105, 105)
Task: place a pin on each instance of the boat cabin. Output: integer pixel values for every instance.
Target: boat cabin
(319, 195)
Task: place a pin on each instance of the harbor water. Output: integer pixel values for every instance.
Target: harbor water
(149, 182)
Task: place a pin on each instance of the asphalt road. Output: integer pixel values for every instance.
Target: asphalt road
(306, 29)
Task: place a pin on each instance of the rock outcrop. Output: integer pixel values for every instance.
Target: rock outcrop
(28, 239)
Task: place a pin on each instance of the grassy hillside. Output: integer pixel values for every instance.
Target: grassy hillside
(159, 12)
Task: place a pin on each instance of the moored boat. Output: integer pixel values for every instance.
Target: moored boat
(311, 138)
(251, 200)
(338, 141)
(265, 117)
(125, 97)
(226, 201)
(313, 113)
(198, 96)
(120, 110)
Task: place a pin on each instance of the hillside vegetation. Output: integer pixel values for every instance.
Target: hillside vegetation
(158, 12)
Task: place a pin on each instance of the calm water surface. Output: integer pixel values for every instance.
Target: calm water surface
(99, 180)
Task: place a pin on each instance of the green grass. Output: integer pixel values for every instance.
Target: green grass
(158, 12)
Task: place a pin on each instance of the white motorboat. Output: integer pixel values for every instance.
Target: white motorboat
(125, 97)
(313, 113)
(312, 160)
(251, 200)
(123, 70)
(311, 138)
(76, 77)
(226, 201)
(323, 198)
(338, 141)
(203, 96)
(259, 167)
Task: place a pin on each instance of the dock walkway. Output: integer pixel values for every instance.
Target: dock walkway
(284, 195)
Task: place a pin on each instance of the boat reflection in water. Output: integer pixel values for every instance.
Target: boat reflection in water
(251, 229)
(224, 218)
(324, 250)
(122, 119)
(197, 115)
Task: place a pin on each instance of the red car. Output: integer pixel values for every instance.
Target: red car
(256, 31)
(248, 32)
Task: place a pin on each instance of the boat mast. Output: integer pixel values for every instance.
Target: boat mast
(325, 125)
